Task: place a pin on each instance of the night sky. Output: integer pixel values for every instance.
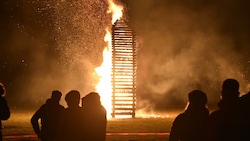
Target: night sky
(183, 45)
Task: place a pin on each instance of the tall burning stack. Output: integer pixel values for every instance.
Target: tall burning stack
(123, 70)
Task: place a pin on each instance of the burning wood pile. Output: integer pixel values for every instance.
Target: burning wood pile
(123, 70)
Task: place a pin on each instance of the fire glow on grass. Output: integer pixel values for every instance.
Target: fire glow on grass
(104, 71)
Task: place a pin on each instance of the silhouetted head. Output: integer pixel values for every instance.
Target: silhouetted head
(230, 89)
(72, 98)
(197, 97)
(56, 96)
(2, 90)
(92, 98)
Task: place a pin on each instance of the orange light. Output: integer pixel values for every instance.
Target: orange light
(116, 10)
(104, 71)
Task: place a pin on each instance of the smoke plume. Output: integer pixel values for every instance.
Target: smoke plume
(188, 45)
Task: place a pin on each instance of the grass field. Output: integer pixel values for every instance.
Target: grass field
(18, 128)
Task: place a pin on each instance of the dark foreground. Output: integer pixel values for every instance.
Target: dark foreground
(18, 128)
(115, 137)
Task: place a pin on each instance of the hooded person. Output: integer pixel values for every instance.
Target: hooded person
(191, 124)
(94, 117)
(225, 123)
(4, 108)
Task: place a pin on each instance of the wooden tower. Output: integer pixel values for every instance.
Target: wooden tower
(123, 70)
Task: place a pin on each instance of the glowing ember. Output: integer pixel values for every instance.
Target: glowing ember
(104, 71)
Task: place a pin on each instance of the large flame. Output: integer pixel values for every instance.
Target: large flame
(104, 71)
(115, 10)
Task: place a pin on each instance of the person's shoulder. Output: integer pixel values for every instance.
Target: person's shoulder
(245, 96)
(42, 109)
(43, 106)
(245, 102)
(61, 107)
(180, 119)
(103, 108)
(180, 116)
(217, 114)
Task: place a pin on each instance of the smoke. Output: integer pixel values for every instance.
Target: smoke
(188, 45)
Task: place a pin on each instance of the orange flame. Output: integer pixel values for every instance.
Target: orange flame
(115, 10)
(104, 71)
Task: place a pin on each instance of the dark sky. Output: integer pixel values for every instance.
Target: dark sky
(183, 45)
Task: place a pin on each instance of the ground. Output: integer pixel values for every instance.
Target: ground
(18, 128)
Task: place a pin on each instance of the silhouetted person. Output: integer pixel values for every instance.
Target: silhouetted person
(71, 128)
(245, 108)
(225, 124)
(49, 114)
(191, 125)
(94, 118)
(4, 108)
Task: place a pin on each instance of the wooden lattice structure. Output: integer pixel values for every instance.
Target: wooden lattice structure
(123, 70)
